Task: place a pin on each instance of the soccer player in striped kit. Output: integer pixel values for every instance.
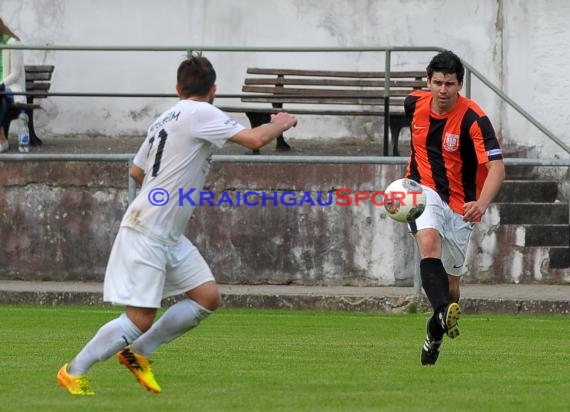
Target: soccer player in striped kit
(456, 157)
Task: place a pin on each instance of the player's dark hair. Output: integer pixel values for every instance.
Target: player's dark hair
(446, 62)
(196, 76)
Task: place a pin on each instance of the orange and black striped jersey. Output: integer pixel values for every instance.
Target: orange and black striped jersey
(449, 152)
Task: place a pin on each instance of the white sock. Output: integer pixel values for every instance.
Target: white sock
(178, 319)
(108, 340)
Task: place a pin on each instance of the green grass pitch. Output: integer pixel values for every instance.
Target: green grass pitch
(278, 360)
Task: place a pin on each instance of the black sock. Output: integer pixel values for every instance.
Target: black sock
(435, 331)
(435, 283)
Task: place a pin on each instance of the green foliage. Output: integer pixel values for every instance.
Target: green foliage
(269, 360)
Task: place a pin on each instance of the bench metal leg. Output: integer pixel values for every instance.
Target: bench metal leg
(397, 123)
(34, 139)
(257, 119)
(280, 145)
(13, 114)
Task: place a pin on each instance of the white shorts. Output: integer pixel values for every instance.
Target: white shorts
(142, 270)
(454, 231)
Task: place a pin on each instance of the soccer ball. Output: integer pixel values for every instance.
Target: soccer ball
(406, 200)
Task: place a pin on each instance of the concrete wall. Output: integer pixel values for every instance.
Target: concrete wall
(65, 230)
(58, 222)
(518, 45)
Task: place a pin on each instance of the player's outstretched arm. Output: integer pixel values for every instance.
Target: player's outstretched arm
(261, 135)
(137, 174)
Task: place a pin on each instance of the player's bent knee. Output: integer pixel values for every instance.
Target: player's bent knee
(213, 301)
(206, 295)
(429, 243)
(142, 318)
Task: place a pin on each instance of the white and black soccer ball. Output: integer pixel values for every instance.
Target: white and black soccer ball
(405, 200)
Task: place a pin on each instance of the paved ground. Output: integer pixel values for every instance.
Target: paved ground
(129, 144)
(507, 299)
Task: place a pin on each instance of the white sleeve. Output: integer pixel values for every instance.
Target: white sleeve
(142, 155)
(15, 69)
(215, 126)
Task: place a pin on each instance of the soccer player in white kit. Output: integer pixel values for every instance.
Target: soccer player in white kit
(151, 259)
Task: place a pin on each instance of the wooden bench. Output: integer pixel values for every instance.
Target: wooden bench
(307, 92)
(38, 83)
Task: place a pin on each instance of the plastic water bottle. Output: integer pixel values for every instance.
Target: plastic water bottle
(23, 133)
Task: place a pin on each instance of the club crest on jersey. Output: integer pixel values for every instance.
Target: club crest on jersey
(451, 142)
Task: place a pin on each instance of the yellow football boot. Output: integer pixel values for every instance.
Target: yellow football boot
(75, 385)
(139, 365)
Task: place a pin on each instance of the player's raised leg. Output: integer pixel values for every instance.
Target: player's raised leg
(177, 320)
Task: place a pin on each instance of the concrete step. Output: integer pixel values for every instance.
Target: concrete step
(547, 235)
(517, 191)
(507, 298)
(533, 213)
(532, 252)
(521, 172)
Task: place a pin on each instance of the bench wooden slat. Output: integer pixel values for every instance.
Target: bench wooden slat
(315, 100)
(338, 88)
(330, 73)
(33, 76)
(354, 93)
(39, 68)
(38, 79)
(27, 106)
(377, 111)
(323, 92)
(410, 84)
(30, 87)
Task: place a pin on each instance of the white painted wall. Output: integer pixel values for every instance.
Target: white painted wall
(519, 45)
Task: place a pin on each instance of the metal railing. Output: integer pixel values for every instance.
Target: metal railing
(470, 71)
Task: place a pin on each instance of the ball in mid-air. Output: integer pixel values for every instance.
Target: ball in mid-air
(406, 200)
